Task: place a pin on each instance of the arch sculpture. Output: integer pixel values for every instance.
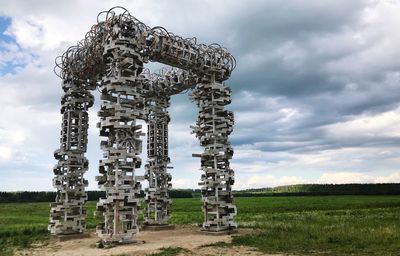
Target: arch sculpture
(110, 58)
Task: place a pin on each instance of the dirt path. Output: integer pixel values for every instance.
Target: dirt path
(148, 242)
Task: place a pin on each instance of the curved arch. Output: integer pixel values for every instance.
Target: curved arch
(84, 61)
(111, 58)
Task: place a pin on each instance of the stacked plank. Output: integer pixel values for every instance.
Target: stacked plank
(213, 126)
(122, 104)
(157, 199)
(67, 213)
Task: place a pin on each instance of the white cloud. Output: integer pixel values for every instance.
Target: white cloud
(185, 183)
(344, 177)
(357, 177)
(5, 153)
(264, 181)
(392, 178)
(12, 54)
(378, 125)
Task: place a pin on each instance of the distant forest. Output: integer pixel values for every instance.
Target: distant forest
(47, 196)
(324, 189)
(291, 190)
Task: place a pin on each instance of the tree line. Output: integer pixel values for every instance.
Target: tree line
(324, 189)
(291, 190)
(49, 196)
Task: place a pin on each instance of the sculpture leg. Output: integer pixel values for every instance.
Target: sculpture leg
(157, 197)
(214, 124)
(122, 105)
(67, 214)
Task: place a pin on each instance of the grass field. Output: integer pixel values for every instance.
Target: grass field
(320, 225)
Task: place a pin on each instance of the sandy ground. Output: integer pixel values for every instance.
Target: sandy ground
(148, 242)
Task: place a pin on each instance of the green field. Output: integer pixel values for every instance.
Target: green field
(320, 225)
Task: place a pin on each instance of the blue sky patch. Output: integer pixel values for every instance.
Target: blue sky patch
(9, 67)
(5, 22)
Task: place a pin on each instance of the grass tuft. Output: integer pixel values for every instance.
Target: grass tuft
(170, 251)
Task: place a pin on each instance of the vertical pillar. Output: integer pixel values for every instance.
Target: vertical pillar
(122, 104)
(67, 214)
(214, 124)
(157, 199)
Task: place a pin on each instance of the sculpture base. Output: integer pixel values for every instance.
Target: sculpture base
(218, 233)
(158, 227)
(63, 238)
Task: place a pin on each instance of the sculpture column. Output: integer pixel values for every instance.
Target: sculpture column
(157, 198)
(122, 104)
(214, 124)
(67, 214)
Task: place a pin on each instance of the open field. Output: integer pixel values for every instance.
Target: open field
(328, 225)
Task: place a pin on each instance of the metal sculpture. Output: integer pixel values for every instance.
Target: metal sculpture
(157, 200)
(67, 214)
(111, 58)
(214, 124)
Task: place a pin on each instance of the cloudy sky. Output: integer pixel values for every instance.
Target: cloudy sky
(316, 92)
